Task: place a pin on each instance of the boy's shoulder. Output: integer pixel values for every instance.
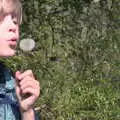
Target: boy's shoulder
(7, 95)
(6, 78)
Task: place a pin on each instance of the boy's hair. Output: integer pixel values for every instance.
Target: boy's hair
(11, 6)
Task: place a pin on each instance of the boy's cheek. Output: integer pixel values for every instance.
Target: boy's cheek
(7, 51)
(18, 34)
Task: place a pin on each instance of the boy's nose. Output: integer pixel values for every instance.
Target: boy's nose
(12, 29)
(11, 25)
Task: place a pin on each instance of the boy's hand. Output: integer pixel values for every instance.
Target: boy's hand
(27, 89)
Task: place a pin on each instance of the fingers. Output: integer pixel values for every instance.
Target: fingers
(27, 89)
(20, 76)
(31, 91)
(26, 80)
(27, 83)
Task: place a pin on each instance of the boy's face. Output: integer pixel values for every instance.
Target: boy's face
(9, 35)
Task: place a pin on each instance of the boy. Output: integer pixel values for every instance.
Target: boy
(17, 95)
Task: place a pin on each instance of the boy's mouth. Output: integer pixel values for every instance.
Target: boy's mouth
(13, 42)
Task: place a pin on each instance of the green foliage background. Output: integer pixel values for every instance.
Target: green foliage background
(76, 59)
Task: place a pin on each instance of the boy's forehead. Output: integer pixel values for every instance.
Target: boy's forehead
(11, 6)
(8, 5)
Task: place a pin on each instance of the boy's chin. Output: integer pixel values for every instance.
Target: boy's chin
(8, 54)
(11, 53)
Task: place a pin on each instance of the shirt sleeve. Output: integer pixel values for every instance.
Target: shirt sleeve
(37, 116)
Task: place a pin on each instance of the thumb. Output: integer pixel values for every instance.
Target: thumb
(17, 73)
(17, 84)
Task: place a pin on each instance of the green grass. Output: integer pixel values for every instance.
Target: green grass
(65, 95)
(81, 100)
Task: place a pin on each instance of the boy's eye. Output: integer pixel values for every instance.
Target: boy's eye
(14, 18)
(15, 21)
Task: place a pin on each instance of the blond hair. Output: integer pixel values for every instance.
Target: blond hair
(13, 7)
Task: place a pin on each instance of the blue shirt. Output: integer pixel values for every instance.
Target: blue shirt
(9, 106)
